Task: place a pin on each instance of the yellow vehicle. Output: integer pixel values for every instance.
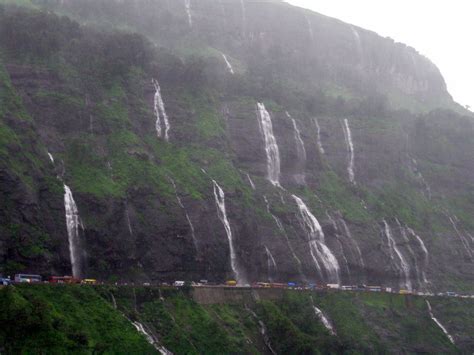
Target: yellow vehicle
(89, 282)
(404, 292)
(231, 283)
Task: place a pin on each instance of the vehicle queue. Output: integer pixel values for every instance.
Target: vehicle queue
(70, 280)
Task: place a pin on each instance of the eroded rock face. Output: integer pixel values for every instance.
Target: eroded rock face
(410, 169)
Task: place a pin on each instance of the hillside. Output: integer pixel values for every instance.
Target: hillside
(82, 319)
(154, 141)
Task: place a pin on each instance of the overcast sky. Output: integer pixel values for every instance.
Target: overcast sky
(442, 30)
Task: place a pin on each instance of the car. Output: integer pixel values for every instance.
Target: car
(5, 282)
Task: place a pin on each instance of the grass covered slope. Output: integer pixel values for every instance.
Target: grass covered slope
(64, 319)
(363, 322)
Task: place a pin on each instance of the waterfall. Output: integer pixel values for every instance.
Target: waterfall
(159, 108)
(271, 147)
(227, 63)
(310, 28)
(114, 302)
(180, 203)
(129, 224)
(358, 42)
(464, 241)
(350, 149)
(222, 213)
(51, 157)
(244, 17)
(470, 236)
(403, 232)
(299, 148)
(252, 185)
(73, 223)
(341, 246)
(354, 242)
(151, 339)
(263, 331)
(271, 264)
(277, 221)
(419, 176)
(318, 136)
(282, 230)
(425, 253)
(322, 317)
(393, 249)
(438, 323)
(317, 245)
(187, 5)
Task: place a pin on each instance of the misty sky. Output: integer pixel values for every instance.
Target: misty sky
(442, 30)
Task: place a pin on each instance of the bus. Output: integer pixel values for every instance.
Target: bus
(27, 278)
(63, 280)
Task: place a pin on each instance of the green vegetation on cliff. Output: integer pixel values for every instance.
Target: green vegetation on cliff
(64, 319)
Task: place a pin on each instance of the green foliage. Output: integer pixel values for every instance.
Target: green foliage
(404, 202)
(338, 196)
(56, 319)
(59, 319)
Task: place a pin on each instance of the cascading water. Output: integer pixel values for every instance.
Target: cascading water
(425, 253)
(190, 223)
(252, 185)
(160, 112)
(271, 264)
(419, 176)
(51, 157)
(404, 234)
(354, 242)
(393, 249)
(464, 241)
(129, 224)
(151, 339)
(73, 223)
(222, 213)
(318, 136)
(114, 302)
(263, 331)
(300, 149)
(187, 5)
(227, 63)
(350, 149)
(271, 147)
(244, 17)
(322, 317)
(358, 42)
(438, 323)
(282, 230)
(341, 246)
(310, 28)
(317, 245)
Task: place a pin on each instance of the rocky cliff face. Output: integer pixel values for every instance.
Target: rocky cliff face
(337, 152)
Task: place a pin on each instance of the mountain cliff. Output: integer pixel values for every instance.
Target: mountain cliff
(161, 140)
